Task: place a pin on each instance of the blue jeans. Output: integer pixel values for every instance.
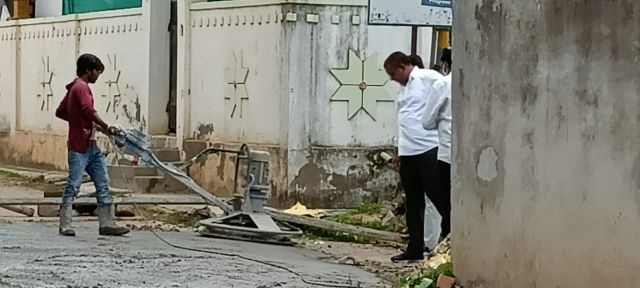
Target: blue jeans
(93, 163)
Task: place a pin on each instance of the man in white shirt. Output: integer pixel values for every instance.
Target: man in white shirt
(417, 148)
(437, 115)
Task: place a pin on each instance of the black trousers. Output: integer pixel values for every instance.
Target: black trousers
(419, 175)
(442, 200)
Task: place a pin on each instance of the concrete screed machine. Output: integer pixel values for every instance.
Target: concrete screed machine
(244, 216)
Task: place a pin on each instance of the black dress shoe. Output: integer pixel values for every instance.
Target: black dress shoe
(404, 250)
(406, 257)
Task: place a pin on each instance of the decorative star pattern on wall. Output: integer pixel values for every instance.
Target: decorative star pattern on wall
(113, 84)
(236, 76)
(361, 85)
(46, 92)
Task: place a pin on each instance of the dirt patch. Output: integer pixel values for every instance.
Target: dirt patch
(371, 258)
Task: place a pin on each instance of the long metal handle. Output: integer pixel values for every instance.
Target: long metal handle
(134, 143)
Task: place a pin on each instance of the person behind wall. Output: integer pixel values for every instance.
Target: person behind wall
(416, 61)
(77, 108)
(437, 115)
(416, 151)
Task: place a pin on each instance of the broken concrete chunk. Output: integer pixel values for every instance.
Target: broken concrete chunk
(125, 211)
(445, 281)
(48, 210)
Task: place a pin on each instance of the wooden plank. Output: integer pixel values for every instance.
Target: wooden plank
(137, 200)
(334, 226)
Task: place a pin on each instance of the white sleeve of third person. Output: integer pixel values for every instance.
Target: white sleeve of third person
(436, 98)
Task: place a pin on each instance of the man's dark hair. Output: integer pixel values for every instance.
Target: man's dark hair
(446, 56)
(397, 59)
(416, 61)
(87, 63)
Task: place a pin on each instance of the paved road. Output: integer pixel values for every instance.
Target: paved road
(33, 255)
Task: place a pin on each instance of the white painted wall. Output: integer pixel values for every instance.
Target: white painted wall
(7, 79)
(276, 52)
(47, 52)
(48, 8)
(156, 16)
(41, 55)
(123, 54)
(290, 83)
(242, 45)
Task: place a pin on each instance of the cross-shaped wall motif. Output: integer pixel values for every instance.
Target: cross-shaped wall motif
(113, 86)
(361, 85)
(46, 92)
(236, 77)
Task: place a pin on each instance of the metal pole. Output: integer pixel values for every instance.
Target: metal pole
(414, 40)
(434, 47)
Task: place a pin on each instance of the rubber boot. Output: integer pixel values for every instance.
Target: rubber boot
(66, 214)
(107, 226)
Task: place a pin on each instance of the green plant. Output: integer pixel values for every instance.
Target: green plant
(327, 235)
(368, 208)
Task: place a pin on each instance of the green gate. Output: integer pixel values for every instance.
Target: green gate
(86, 6)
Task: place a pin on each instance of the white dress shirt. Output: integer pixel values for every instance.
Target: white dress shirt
(437, 115)
(413, 139)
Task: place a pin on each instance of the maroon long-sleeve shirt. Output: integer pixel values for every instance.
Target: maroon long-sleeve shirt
(77, 109)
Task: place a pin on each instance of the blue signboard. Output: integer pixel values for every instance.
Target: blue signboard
(438, 3)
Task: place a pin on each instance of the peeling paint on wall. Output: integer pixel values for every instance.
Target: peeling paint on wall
(343, 177)
(487, 165)
(134, 117)
(204, 131)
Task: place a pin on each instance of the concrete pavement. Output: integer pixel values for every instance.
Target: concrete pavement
(33, 255)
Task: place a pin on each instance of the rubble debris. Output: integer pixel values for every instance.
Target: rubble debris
(441, 254)
(125, 210)
(334, 226)
(445, 281)
(302, 210)
(153, 225)
(348, 260)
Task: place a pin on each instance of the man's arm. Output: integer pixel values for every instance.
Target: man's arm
(435, 100)
(88, 111)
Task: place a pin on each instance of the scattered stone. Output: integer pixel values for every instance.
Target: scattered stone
(348, 260)
(125, 211)
(203, 213)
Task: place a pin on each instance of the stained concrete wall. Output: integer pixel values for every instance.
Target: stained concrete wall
(39, 60)
(547, 133)
(283, 76)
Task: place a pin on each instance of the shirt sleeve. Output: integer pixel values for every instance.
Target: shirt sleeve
(86, 103)
(61, 112)
(435, 100)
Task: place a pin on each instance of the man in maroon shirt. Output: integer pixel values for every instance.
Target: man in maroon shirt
(83, 153)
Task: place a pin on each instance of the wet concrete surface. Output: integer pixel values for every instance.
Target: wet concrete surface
(33, 255)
